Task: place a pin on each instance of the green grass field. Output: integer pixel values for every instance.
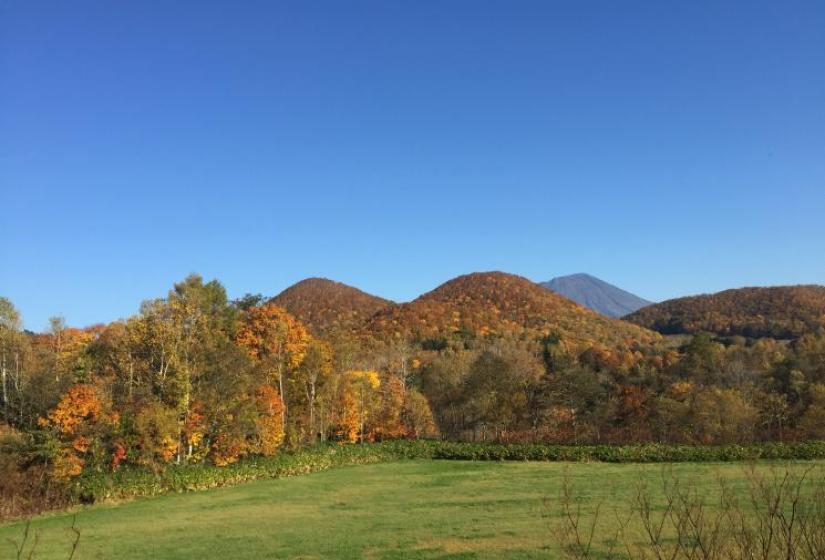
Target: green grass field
(407, 509)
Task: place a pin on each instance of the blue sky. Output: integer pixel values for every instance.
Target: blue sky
(668, 147)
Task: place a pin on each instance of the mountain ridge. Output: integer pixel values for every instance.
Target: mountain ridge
(782, 312)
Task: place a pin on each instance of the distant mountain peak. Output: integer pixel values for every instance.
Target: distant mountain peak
(596, 294)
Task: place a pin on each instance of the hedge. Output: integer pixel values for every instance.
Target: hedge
(642, 453)
(129, 482)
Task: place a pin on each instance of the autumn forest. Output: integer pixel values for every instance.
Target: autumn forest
(196, 378)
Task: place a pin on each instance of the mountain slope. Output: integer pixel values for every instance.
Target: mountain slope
(596, 294)
(497, 303)
(324, 305)
(777, 312)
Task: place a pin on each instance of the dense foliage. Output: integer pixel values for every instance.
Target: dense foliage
(782, 312)
(195, 381)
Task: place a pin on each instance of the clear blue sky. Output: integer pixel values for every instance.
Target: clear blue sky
(668, 147)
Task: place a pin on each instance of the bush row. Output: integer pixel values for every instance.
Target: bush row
(130, 482)
(642, 453)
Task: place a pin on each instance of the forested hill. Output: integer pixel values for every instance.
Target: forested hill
(325, 305)
(596, 294)
(781, 312)
(503, 304)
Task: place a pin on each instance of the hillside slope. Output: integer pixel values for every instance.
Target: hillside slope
(498, 303)
(779, 312)
(596, 294)
(324, 305)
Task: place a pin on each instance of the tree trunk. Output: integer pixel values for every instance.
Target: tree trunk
(361, 415)
(312, 413)
(17, 385)
(283, 393)
(131, 377)
(5, 389)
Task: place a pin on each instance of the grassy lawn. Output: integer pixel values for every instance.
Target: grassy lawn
(408, 509)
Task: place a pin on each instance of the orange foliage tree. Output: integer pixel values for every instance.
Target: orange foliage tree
(275, 338)
(194, 430)
(227, 448)
(81, 419)
(68, 345)
(389, 421)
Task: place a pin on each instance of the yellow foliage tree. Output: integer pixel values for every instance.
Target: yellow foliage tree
(156, 426)
(418, 416)
(269, 424)
(312, 378)
(358, 403)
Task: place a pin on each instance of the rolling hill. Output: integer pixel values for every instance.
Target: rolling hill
(596, 294)
(781, 312)
(324, 305)
(498, 303)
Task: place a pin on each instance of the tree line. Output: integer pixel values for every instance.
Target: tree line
(696, 391)
(192, 377)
